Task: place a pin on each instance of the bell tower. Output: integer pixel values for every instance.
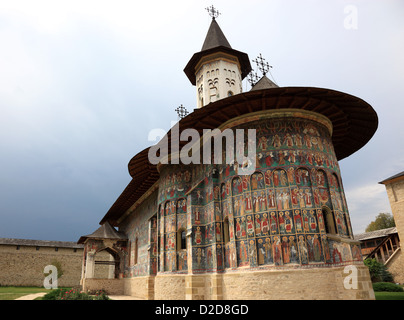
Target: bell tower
(217, 70)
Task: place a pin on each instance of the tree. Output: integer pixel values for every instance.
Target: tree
(382, 221)
(378, 271)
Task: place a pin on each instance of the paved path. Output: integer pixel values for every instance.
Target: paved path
(41, 294)
(124, 298)
(31, 296)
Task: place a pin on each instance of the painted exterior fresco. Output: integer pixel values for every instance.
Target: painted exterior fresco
(141, 229)
(272, 219)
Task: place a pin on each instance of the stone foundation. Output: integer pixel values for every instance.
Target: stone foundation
(111, 286)
(309, 284)
(140, 287)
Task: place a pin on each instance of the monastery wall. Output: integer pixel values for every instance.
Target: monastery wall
(25, 266)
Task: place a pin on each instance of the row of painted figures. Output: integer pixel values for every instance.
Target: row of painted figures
(275, 251)
(173, 187)
(271, 223)
(279, 178)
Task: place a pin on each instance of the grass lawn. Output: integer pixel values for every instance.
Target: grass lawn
(11, 293)
(389, 295)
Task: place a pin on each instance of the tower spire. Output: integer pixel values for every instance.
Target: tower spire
(217, 70)
(215, 37)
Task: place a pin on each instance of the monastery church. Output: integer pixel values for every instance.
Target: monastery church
(205, 231)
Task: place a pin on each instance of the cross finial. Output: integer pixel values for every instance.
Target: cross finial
(252, 78)
(262, 66)
(213, 12)
(181, 111)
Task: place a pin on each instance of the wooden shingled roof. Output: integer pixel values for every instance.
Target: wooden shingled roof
(375, 234)
(106, 231)
(354, 123)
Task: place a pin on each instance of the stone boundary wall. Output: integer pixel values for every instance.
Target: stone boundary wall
(25, 266)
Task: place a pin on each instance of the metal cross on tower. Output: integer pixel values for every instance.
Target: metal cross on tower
(252, 78)
(262, 65)
(213, 12)
(181, 111)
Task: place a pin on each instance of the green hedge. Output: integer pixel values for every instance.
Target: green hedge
(387, 286)
(74, 294)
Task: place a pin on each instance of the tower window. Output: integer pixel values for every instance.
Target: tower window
(229, 93)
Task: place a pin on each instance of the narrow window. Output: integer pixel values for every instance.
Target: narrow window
(226, 236)
(181, 239)
(329, 220)
(130, 252)
(136, 251)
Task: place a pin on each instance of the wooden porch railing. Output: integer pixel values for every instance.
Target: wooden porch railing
(385, 250)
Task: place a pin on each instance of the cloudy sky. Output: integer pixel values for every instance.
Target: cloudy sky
(83, 82)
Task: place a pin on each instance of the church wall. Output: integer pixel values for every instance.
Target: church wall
(141, 287)
(137, 227)
(281, 242)
(174, 206)
(395, 193)
(111, 286)
(396, 267)
(308, 284)
(170, 287)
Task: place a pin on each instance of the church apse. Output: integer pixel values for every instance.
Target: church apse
(273, 218)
